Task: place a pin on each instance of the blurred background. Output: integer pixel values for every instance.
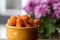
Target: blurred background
(7, 9)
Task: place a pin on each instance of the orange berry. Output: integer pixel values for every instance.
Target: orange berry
(12, 21)
(30, 21)
(25, 17)
(36, 22)
(13, 17)
(20, 22)
(28, 25)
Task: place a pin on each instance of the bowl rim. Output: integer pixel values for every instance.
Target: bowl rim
(21, 27)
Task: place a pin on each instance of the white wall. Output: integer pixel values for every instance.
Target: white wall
(15, 4)
(23, 3)
(12, 4)
(2, 6)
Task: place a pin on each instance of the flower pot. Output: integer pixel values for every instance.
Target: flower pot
(21, 33)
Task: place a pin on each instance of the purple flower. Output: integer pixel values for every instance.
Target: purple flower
(44, 1)
(53, 16)
(29, 8)
(56, 7)
(37, 1)
(41, 10)
(53, 1)
(49, 1)
(56, 16)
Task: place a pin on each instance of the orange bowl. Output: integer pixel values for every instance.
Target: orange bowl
(21, 33)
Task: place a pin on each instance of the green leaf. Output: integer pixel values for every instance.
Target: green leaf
(50, 30)
(32, 16)
(47, 26)
(57, 23)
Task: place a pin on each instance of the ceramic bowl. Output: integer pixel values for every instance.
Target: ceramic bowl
(21, 33)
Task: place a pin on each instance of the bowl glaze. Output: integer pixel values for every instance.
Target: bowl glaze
(21, 33)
